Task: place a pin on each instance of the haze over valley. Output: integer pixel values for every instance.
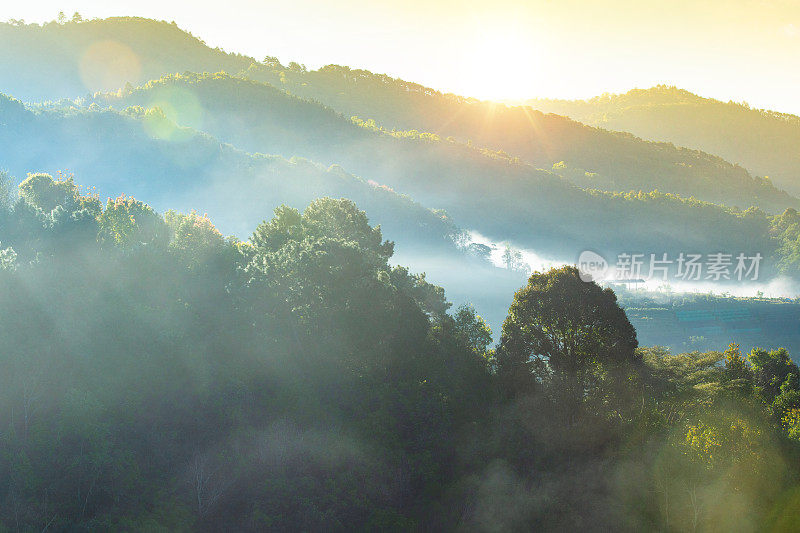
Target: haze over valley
(243, 294)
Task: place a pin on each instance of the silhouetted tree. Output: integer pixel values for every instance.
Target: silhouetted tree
(563, 332)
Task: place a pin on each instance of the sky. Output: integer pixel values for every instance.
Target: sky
(741, 50)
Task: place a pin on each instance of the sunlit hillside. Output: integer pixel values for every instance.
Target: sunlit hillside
(240, 294)
(764, 142)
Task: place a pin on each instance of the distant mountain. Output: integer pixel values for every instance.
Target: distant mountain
(491, 192)
(143, 153)
(55, 61)
(445, 160)
(588, 156)
(767, 143)
(74, 59)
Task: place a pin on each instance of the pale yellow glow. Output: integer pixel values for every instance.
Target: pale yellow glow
(727, 49)
(502, 61)
(107, 65)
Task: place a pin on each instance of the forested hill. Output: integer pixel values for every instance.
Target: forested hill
(159, 377)
(764, 142)
(145, 153)
(591, 157)
(75, 59)
(55, 61)
(260, 118)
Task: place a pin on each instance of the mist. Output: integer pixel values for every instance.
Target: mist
(255, 296)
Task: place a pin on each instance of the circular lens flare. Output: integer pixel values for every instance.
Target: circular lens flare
(108, 65)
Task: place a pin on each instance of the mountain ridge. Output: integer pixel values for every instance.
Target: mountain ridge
(592, 158)
(763, 141)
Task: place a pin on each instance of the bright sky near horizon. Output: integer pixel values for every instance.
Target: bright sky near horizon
(742, 50)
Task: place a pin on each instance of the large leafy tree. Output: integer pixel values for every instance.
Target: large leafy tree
(45, 193)
(771, 369)
(329, 260)
(129, 222)
(563, 332)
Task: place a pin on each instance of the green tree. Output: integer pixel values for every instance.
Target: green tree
(771, 369)
(129, 222)
(45, 193)
(736, 367)
(563, 332)
(513, 260)
(472, 330)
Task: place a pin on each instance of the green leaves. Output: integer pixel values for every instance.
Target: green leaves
(45, 193)
(561, 327)
(128, 222)
(473, 330)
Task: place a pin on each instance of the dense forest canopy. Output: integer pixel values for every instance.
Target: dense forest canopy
(262, 118)
(237, 295)
(534, 208)
(155, 157)
(297, 379)
(86, 56)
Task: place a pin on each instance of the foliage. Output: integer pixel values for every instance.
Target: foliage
(735, 365)
(473, 330)
(160, 376)
(760, 140)
(172, 366)
(43, 192)
(587, 156)
(563, 332)
(129, 222)
(156, 375)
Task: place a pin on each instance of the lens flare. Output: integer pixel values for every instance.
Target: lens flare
(180, 105)
(108, 65)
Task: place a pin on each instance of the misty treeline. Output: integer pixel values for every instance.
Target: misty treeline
(113, 149)
(34, 55)
(157, 375)
(594, 157)
(761, 140)
(259, 117)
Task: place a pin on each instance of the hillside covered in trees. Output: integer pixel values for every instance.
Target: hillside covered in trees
(764, 142)
(237, 295)
(78, 55)
(263, 118)
(144, 151)
(590, 156)
(296, 379)
(163, 143)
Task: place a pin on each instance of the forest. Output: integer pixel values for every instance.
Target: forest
(181, 380)
(112, 149)
(243, 295)
(761, 140)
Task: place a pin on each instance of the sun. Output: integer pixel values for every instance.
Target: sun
(502, 63)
